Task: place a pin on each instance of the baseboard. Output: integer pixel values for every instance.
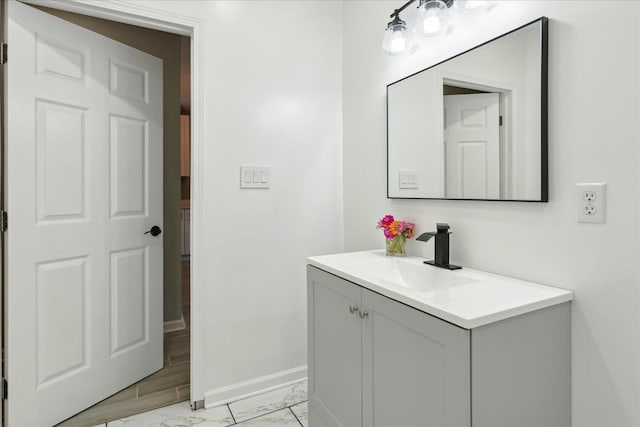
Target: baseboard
(175, 325)
(244, 389)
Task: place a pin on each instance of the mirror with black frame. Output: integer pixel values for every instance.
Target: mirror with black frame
(473, 127)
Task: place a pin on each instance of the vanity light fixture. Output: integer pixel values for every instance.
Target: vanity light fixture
(432, 19)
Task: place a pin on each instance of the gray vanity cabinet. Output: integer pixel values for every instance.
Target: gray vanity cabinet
(376, 362)
(335, 350)
(359, 340)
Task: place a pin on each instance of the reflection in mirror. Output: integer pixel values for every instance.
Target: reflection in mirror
(474, 126)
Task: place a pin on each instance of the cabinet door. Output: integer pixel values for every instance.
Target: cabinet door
(416, 367)
(335, 350)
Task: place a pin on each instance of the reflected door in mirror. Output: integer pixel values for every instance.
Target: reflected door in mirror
(471, 136)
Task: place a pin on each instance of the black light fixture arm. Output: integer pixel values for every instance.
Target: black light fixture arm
(396, 12)
(401, 8)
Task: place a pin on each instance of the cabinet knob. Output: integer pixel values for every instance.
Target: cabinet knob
(363, 314)
(353, 309)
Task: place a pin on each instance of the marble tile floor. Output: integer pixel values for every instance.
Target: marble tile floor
(285, 406)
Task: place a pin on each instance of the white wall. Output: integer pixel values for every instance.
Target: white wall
(415, 135)
(272, 96)
(593, 136)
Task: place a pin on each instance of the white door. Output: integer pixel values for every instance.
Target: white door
(84, 182)
(472, 140)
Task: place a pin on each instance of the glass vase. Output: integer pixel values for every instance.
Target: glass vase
(396, 246)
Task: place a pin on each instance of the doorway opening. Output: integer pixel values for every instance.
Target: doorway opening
(172, 383)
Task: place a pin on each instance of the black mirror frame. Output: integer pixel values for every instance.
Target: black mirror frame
(544, 119)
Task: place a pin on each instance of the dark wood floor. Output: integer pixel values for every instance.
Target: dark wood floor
(168, 386)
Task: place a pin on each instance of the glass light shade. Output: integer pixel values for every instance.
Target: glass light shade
(432, 19)
(397, 39)
(474, 5)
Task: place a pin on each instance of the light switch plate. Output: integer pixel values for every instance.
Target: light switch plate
(255, 177)
(408, 179)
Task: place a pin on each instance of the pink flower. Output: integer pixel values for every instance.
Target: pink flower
(409, 229)
(387, 220)
(388, 234)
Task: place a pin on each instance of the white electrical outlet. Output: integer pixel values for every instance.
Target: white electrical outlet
(591, 202)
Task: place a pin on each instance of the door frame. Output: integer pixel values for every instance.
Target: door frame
(193, 27)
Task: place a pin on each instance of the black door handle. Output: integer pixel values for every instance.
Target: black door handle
(155, 231)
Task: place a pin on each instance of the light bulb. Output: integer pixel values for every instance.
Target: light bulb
(431, 25)
(474, 5)
(397, 39)
(398, 43)
(432, 18)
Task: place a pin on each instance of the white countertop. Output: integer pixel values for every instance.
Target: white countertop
(467, 298)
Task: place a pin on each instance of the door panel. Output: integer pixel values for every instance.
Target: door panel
(129, 142)
(61, 309)
(61, 161)
(60, 59)
(472, 164)
(129, 82)
(472, 142)
(129, 294)
(84, 182)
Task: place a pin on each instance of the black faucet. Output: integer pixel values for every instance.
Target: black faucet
(442, 246)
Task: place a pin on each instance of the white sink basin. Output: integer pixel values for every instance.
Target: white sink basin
(411, 273)
(467, 298)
